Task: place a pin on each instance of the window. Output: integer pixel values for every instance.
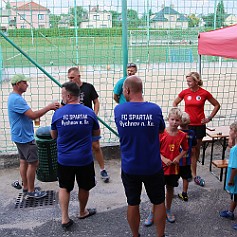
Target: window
(109, 17)
(96, 17)
(22, 16)
(40, 16)
(22, 26)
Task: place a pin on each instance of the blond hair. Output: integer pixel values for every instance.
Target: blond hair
(185, 119)
(234, 126)
(196, 77)
(175, 111)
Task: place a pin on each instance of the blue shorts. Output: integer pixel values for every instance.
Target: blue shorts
(85, 176)
(154, 185)
(96, 138)
(185, 172)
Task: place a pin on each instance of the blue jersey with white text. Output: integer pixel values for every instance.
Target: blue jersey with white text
(139, 124)
(74, 124)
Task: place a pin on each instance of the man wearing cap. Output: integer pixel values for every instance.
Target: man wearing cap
(118, 89)
(22, 133)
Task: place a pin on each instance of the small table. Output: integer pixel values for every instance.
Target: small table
(220, 134)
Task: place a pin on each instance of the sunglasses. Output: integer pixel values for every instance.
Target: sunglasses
(131, 65)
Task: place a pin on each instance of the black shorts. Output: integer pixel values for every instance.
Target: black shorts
(200, 130)
(28, 151)
(85, 176)
(233, 197)
(154, 185)
(185, 172)
(172, 180)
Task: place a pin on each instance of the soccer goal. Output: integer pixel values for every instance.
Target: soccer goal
(153, 37)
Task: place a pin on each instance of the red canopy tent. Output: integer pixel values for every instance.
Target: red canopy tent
(221, 42)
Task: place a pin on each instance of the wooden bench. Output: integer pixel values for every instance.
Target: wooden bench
(221, 164)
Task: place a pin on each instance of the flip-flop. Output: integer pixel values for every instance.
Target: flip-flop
(16, 184)
(67, 225)
(91, 212)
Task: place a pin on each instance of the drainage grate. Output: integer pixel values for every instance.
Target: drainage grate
(49, 200)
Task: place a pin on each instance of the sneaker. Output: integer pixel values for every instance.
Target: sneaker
(227, 214)
(149, 220)
(25, 191)
(104, 176)
(170, 217)
(36, 194)
(183, 196)
(199, 181)
(16, 184)
(235, 226)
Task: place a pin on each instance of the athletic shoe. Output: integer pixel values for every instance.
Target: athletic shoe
(227, 214)
(170, 217)
(183, 196)
(104, 176)
(16, 184)
(36, 194)
(199, 181)
(235, 226)
(25, 191)
(149, 220)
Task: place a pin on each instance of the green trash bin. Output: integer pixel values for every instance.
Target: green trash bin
(47, 153)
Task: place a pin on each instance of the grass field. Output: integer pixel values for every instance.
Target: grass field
(90, 51)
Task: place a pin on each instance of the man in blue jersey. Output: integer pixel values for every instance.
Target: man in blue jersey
(118, 88)
(22, 134)
(74, 125)
(90, 98)
(139, 124)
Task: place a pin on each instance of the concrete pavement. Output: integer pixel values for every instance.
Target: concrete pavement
(197, 217)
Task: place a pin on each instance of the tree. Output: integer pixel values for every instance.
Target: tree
(133, 19)
(220, 14)
(54, 20)
(193, 20)
(116, 18)
(143, 20)
(81, 15)
(8, 5)
(209, 20)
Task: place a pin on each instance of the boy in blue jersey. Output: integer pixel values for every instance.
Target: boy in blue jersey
(139, 124)
(185, 162)
(231, 179)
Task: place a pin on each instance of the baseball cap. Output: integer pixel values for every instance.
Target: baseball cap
(18, 78)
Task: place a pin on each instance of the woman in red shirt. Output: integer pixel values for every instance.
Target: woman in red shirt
(194, 98)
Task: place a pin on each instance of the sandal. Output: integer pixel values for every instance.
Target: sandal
(149, 220)
(91, 212)
(67, 225)
(16, 184)
(170, 217)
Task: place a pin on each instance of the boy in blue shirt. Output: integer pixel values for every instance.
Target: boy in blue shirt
(185, 162)
(231, 179)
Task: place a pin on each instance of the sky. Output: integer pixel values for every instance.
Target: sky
(141, 6)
